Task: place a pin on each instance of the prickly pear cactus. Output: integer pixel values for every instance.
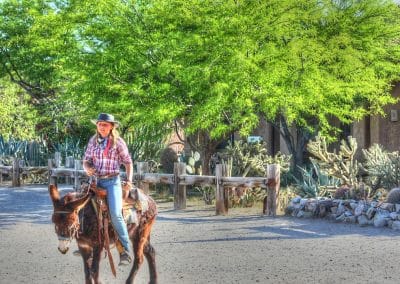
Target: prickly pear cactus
(193, 163)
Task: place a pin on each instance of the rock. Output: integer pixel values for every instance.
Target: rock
(296, 199)
(387, 206)
(348, 213)
(340, 210)
(303, 201)
(374, 203)
(300, 214)
(353, 205)
(380, 221)
(311, 206)
(340, 218)
(362, 220)
(397, 206)
(359, 209)
(393, 215)
(334, 209)
(396, 225)
(383, 212)
(350, 219)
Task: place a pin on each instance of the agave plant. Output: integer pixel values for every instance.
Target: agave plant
(313, 181)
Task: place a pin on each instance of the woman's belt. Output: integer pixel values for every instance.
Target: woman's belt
(108, 176)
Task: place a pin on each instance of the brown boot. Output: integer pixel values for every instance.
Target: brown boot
(124, 259)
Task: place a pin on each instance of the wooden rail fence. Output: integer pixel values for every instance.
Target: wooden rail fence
(73, 171)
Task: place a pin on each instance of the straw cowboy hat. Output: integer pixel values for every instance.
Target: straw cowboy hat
(107, 118)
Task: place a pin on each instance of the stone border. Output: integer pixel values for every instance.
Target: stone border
(362, 212)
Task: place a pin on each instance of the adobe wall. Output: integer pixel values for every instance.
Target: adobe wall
(386, 130)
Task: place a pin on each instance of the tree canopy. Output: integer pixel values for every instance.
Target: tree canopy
(212, 66)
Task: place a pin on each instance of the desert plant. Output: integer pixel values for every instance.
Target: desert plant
(193, 163)
(382, 167)
(393, 195)
(208, 193)
(342, 165)
(253, 195)
(313, 182)
(251, 159)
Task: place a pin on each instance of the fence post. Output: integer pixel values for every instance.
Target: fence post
(77, 167)
(52, 180)
(69, 163)
(179, 190)
(16, 181)
(57, 159)
(221, 204)
(142, 168)
(273, 183)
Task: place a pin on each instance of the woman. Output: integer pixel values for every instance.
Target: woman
(104, 155)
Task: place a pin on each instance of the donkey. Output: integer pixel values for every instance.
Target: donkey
(75, 216)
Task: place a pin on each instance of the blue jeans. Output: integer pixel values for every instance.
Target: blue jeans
(114, 200)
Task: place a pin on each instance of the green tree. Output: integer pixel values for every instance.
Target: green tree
(215, 67)
(18, 118)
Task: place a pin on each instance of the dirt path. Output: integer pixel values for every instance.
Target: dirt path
(195, 246)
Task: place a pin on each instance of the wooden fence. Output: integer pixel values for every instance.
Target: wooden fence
(74, 173)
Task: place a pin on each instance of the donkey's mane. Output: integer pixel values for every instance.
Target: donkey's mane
(72, 196)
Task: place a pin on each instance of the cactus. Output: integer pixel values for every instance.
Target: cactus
(251, 159)
(342, 165)
(383, 168)
(393, 196)
(193, 163)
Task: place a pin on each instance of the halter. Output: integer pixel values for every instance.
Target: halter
(62, 212)
(73, 230)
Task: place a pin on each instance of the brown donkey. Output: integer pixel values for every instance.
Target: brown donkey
(76, 216)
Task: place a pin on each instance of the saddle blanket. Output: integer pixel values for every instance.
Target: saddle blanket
(130, 212)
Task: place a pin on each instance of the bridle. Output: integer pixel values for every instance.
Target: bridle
(73, 230)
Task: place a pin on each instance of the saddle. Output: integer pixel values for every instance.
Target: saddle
(131, 205)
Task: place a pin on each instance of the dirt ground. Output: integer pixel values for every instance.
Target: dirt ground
(195, 246)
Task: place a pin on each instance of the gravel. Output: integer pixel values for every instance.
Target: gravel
(195, 246)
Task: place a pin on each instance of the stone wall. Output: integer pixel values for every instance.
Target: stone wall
(364, 213)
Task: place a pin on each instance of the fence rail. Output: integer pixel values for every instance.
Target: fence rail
(179, 179)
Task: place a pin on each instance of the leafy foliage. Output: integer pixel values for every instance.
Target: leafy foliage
(214, 66)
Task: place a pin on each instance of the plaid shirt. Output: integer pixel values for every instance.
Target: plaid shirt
(110, 164)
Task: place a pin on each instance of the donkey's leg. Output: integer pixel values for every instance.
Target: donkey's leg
(150, 255)
(140, 240)
(87, 257)
(96, 264)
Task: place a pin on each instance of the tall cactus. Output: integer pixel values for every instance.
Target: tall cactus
(343, 165)
(383, 167)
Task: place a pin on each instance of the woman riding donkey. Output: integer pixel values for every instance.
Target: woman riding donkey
(105, 153)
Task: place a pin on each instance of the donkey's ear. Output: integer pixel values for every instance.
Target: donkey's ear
(79, 204)
(54, 194)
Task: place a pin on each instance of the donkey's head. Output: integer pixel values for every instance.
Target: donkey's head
(65, 216)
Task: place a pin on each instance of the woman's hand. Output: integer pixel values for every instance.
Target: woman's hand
(129, 184)
(90, 171)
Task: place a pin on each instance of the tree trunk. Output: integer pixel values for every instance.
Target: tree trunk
(296, 145)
